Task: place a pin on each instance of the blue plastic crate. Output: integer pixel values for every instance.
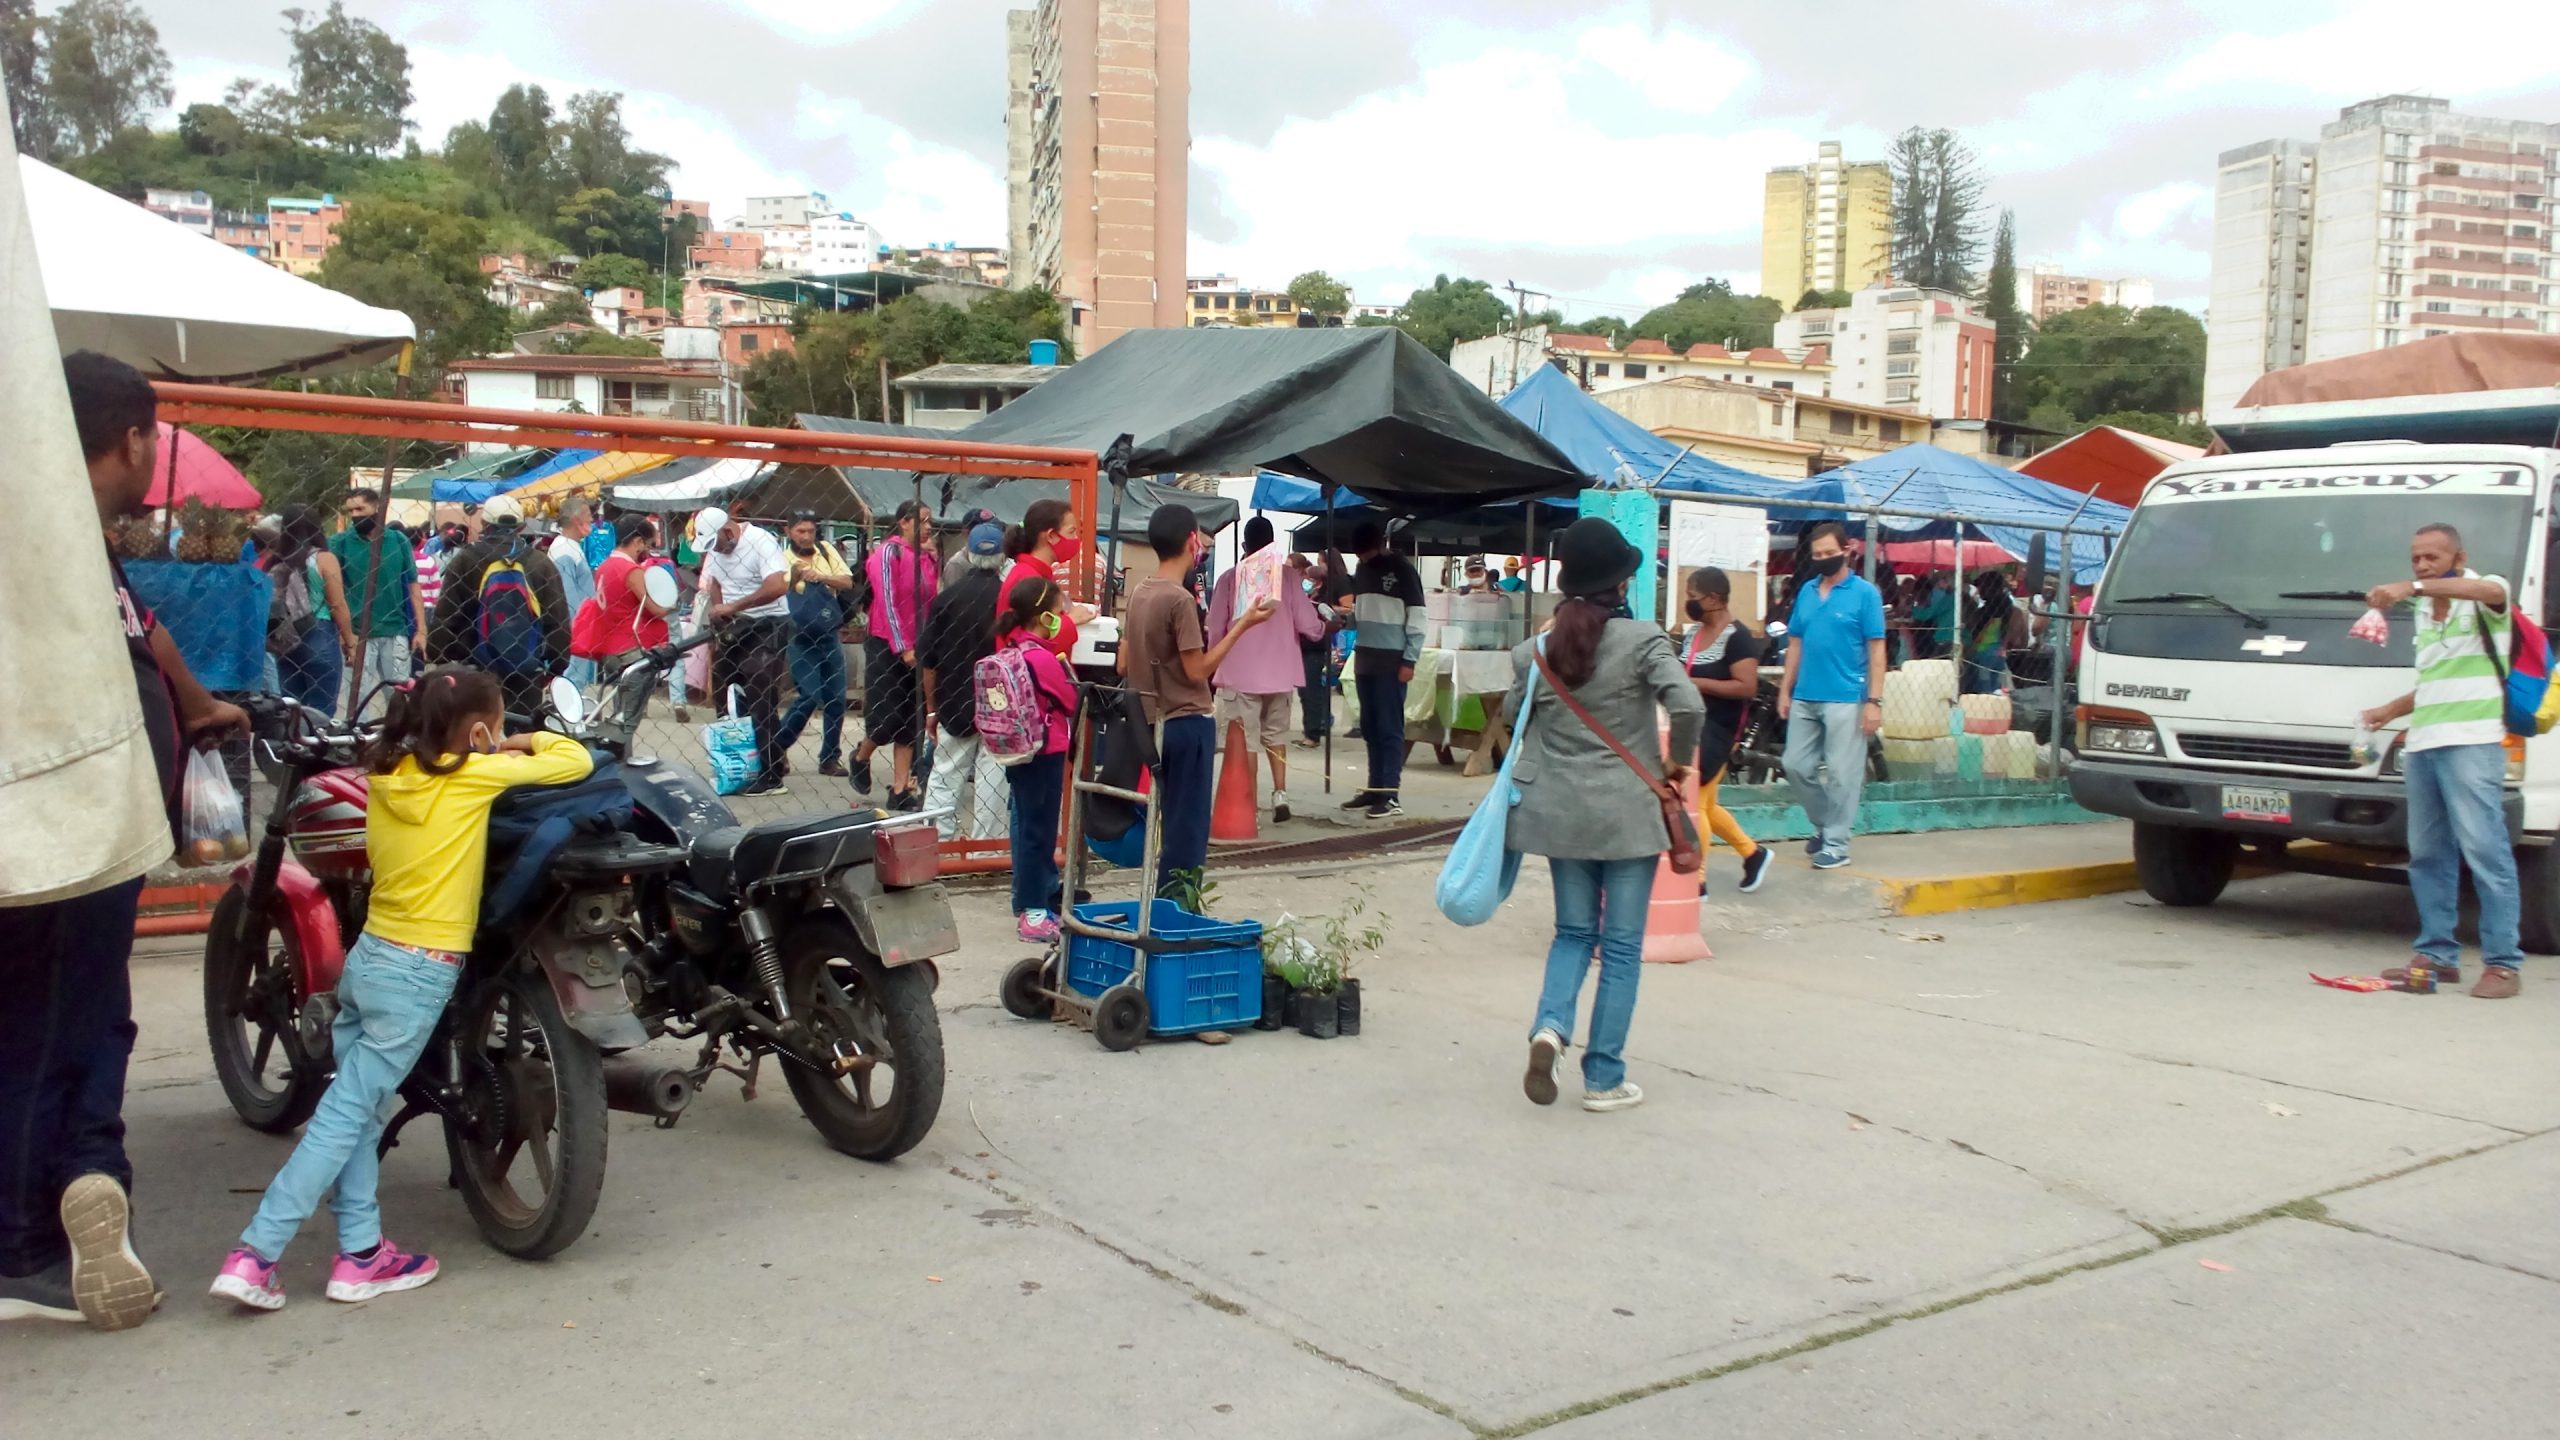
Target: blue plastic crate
(1216, 988)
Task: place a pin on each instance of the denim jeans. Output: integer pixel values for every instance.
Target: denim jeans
(967, 779)
(66, 1033)
(314, 672)
(1039, 784)
(1826, 761)
(388, 1001)
(2457, 817)
(1189, 785)
(1599, 904)
(387, 660)
(817, 671)
(1382, 727)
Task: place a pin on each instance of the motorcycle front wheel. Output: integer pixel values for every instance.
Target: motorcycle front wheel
(249, 1016)
(529, 1141)
(881, 1025)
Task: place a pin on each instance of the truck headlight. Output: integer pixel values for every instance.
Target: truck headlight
(2391, 767)
(2122, 738)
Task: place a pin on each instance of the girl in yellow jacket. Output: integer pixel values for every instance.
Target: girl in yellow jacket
(441, 761)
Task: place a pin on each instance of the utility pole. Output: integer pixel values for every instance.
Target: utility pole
(1519, 324)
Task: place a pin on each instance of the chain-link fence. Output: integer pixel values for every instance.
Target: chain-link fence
(362, 540)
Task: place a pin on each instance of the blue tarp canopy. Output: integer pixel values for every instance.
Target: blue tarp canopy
(1608, 446)
(471, 479)
(2001, 506)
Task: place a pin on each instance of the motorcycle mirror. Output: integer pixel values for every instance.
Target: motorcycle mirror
(660, 585)
(1777, 628)
(567, 703)
(2035, 565)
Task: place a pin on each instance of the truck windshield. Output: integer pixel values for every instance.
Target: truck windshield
(2307, 552)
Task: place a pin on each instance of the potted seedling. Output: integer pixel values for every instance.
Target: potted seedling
(1313, 959)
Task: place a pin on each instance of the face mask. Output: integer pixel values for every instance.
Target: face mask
(365, 525)
(1696, 610)
(1622, 610)
(1048, 624)
(1830, 565)
(1066, 547)
(799, 549)
(482, 742)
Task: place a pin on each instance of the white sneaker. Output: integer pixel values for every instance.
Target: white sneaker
(1540, 1083)
(1279, 806)
(1627, 1096)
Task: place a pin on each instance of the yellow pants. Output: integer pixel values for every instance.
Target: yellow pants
(1720, 822)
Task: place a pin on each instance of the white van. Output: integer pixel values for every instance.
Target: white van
(2219, 690)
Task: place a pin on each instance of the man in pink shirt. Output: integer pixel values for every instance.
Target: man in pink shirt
(1261, 675)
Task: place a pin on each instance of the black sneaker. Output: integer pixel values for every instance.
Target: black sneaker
(861, 777)
(1755, 869)
(45, 1295)
(905, 800)
(1361, 801)
(764, 787)
(1387, 808)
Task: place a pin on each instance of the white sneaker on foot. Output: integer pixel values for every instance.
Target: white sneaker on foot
(1627, 1096)
(1540, 1083)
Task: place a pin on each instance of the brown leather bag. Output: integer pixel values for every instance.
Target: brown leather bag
(1679, 830)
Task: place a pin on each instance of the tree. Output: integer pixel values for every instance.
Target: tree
(594, 149)
(104, 70)
(834, 365)
(211, 130)
(1452, 311)
(559, 310)
(600, 221)
(1937, 205)
(424, 262)
(22, 65)
(350, 81)
(520, 161)
(2009, 324)
(597, 342)
(1612, 328)
(1823, 300)
(611, 272)
(2103, 359)
(1320, 294)
(1710, 313)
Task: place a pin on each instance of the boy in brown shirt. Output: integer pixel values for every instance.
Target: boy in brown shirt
(1164, 657)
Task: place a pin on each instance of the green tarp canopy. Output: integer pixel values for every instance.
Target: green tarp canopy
(494, 465)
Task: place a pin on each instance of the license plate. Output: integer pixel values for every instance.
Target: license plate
(2242, 802)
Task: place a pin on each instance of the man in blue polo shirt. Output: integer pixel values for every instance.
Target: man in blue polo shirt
(1832, 694)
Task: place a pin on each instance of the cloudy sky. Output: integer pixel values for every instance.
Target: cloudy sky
(1606, 159)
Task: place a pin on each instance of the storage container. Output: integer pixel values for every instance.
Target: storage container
(1202, 974)
(1919, 759)
(1986, 714)
(1916, 699)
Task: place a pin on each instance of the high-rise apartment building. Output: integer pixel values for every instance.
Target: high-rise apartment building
(1928, 351)
(1826, 226)
(2044, 291)
(1103, 91)
(2406, 221)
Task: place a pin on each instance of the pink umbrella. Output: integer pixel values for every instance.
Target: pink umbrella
(1912, 556)
(200, 472)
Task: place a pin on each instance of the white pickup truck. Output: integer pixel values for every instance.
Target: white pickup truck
(2219, 691)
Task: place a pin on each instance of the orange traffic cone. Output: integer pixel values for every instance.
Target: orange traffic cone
(1671, 922)
(1235, 816)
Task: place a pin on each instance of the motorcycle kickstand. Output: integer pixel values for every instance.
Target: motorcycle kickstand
(710, 1062)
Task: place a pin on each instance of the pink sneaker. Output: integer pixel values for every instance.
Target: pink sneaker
(390, 1269)
(1037, 927)
(250, 1280)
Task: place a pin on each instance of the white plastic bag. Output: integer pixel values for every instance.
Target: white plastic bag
(217, 825)
(731, 744)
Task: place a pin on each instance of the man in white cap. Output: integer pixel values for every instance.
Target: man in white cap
(501, 609)
(746, 580)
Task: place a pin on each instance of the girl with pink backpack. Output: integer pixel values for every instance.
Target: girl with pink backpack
(1026, 710)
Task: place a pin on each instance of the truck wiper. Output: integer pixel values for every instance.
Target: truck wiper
(2321, 594)
(2190, 597)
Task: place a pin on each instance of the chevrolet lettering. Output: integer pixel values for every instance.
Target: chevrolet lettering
(2145, 692)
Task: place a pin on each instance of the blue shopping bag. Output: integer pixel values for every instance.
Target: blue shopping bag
(1481, 868)
(731, 745)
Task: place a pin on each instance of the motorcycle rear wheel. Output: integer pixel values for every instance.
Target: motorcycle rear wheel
(249, 1005)
(884, 1015)
(534, 1115)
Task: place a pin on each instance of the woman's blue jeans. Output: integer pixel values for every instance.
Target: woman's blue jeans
(1600, 904)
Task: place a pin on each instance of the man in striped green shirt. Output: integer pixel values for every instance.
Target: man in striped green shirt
(2455, 760)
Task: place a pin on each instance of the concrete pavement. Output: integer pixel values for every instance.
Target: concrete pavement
(1854, 1118)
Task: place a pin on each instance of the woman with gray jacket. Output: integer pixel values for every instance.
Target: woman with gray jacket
(1586, 810)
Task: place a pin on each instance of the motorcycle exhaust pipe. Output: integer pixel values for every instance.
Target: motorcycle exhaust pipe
(646, 1087)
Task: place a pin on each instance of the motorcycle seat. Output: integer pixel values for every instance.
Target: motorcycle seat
(726, 860)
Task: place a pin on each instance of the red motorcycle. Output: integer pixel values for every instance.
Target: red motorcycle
(279, 936)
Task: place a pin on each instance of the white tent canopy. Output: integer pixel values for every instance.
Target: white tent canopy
(181, 306)
(716, 481)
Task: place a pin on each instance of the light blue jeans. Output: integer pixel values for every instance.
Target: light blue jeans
(386, 660)
(1600, 904)
(388, 1001)
(2457, 817)
(1826, 761)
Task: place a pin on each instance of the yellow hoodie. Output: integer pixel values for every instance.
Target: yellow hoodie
(428, 836)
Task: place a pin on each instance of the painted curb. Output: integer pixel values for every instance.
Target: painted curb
(1946, 895)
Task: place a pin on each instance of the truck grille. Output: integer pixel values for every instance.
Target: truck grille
(2250, 749)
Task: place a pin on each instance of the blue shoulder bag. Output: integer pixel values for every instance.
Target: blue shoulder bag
(1481, 868)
